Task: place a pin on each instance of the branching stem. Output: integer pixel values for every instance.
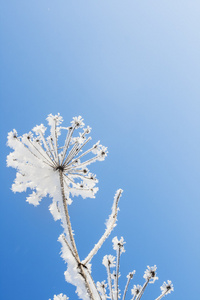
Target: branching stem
(73, 244)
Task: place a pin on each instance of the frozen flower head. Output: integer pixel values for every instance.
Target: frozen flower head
(167, 288)
(136, 290)
(118, 244)
(109, 261)
(101, 286)
(130, 275)
(42, 161)
(150, 274)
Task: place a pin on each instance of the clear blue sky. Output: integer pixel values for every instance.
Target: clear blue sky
(132, 70)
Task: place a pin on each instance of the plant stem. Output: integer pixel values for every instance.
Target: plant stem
(73, 244)
(109, 281)
(126, 288)
(117, 271)
(142, 291)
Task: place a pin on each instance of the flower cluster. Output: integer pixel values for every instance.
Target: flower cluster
(39, 160)
(110, 261)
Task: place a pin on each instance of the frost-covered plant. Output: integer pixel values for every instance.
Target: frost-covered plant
(60, 171)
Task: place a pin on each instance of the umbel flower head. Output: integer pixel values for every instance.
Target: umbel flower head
(150, 274)
(167, 287)
(136, 290)
(39, 160)
(118, 244)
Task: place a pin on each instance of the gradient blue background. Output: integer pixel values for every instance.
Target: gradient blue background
(132, 70)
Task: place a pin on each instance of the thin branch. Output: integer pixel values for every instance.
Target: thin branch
(126, 287)
(142, 290)
(77, 186)
(117, 271)
(83, 154)
(46, 145)
(92, 283)
(161, 296)
(55, 139)
(67, 141)
(27, 148)
(109, 280)
(45, 153)
(74, 152)
(89, 161)
(110, 225)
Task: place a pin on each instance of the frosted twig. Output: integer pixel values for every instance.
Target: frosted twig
(54, 137)
(83, 154)
(92, 284)
(87, 162)
(77, 186)
(67, 141)
(76, 151)
(107, 264)
(79, 267)
(142, 290)
(161, 296)
(110, 225)
(117, 272)
(45, 144)
(27, 148)
(129, 277)
(48, 159)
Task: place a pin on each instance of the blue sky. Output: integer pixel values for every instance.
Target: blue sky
(131, 69)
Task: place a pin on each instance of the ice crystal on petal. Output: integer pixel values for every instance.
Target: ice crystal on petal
(167, 288)
(150, 274)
